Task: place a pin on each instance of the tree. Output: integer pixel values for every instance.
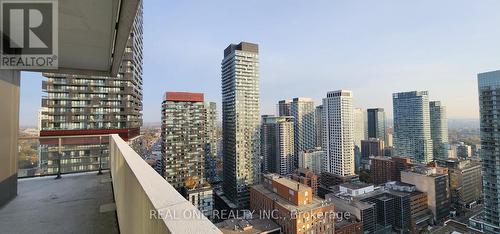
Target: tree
(365, 176)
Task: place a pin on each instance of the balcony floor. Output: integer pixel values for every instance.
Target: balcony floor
(69, 205)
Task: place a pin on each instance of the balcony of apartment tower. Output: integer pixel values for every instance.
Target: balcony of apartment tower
(84, 179)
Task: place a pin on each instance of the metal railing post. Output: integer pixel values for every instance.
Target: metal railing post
(59, 154)
(100, 156)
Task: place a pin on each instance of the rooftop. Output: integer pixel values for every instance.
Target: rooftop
(359, 201)
(247, 226)
(183, 97)
(400, 186)
(428, 171)
(317, 149)
(338, 93)
(291, 184)
(305, 172)
(384, 158)
(316, 202)
(338, 199)
(77, 203)
(242, 46)
(345, 222)
(358, 185)
(305, 99)
(452, 226)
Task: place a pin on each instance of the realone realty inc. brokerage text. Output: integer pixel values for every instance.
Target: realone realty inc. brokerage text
(170, 214)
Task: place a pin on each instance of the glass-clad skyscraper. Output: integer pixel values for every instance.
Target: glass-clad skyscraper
(439, 130)
(277, 144)
(412, 132)
(376, 123)
(240, 121)
(360, 124)
(303, 111)
(489, 100)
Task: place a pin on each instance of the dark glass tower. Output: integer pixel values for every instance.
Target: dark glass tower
(376, 123)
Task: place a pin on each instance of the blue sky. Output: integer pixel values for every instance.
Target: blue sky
(307, 48)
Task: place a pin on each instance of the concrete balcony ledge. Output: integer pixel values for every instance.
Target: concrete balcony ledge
(146, 202)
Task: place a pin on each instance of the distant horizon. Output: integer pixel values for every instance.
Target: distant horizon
(374, 49)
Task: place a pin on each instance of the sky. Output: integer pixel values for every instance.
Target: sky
(307, 48)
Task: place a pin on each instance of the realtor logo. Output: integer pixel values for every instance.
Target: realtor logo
(29, 34)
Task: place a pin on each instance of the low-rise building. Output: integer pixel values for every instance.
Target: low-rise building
(349, 226)
(434, 182)
(421, 215)
(201, 195)
(465, 182)
(328, 180)
(222, 206)
(248, 226)
(307, 177)
(386, 169)
(291, 205)
(355, 189)
(364, 212)
(383, 170)
(397, 206)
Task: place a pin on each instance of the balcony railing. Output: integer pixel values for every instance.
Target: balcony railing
(147, 203)
(41, 156)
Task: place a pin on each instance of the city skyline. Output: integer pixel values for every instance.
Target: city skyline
(326, 49)
(298, 139)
